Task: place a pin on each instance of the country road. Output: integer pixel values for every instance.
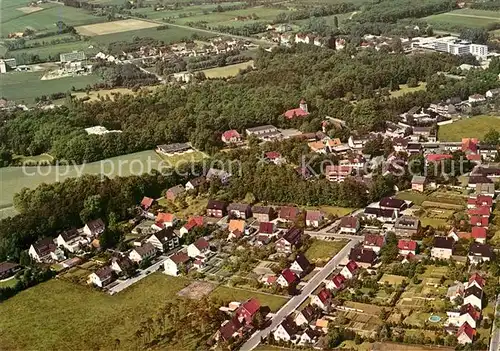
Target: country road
(295, 301)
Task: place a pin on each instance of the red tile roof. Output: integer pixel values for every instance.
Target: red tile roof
(338, 280)
(478, 233)
(289, 212)
(228, 134)
(484, 200)
(374, 240)
(473, 157)
(478, 279)
(479, 221)
(407, 245)
(194, 222)
(324, 295)
(471, 310)
(147, 202)
(349, 222)
(163, 217)
(289, 276)
(201, 244)
(313, 215)
(468, 330)
(479, 211)
(296, 112)
(352, 266)
(438, 157)
(469, 144)
(272, 155)
(252, 306)
(266, 227)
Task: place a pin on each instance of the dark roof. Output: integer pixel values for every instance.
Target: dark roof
(7, 266)
(123, 262)
(229, 328)
(176, 147)
(262, 128)
(289, 212)
(216, 205)
(266, 227)
(359, 254)
(293, 235)
(483, 250)
(262, 210)
(144, 249)
(289, 325)
(444, 242)
(44, 246)
(380, 212)
(104, 273)
(479, 180)
(303, 262)
(473, 290)
(308, 312)
(165, 234)
(238, 207)
(196, 182)
(96, 225)
(349, 222)
(392, 203)
(486, 171)
(69, 234)
(201, 244)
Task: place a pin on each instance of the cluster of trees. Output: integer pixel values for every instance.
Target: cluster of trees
(202, 62)
(50, 208)
(315, 11)
(492, 5)
(126, 75)
(29, 277)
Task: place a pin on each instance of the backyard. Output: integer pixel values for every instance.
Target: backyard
(60, 304)
(474, 127)
(321, 251)
(228, 294)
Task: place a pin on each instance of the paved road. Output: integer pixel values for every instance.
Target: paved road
(142, 274)
(295, 301)
(495, 334)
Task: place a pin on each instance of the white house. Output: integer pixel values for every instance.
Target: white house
(174, 262)
(164, 240)
(336, 282)
(71, 240)
(140, 253)
(285, 331)
(45, 251)
(101, 277)
(349, 225)
(474, 296)
(300, 266)
(314, 218)
(199, 248)
(465, 334)
(443, 247)
(94, 228)
(350, 270)
(323, 299)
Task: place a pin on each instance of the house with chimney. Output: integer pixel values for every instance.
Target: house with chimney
(465, 334)
(336, 282)
(287, 278)
(71, 240)
(349, 225)
(143, 252)
(94, 228)
(406, 226)
(247, 311)
(164, 240)
(286, 331)
(374, 242)
(350, 270)
(237, 210)
(406, 247)
(289, 241)
(200, 247)
(306, 316)
(173, 264)
(300, 266)
(364, 258)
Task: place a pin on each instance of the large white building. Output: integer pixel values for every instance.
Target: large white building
(450, 44)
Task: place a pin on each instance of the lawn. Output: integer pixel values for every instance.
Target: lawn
(404, 89)
(333, 210)
(228, 294)
(95, 95)
(391, 279)
(440, 197)
(181, 159)
(227, 71)
(26, 86)
(420, 318)
(9, 283)
(474, 127)
(464, 18)
(59, 315)
(43, 158)
(322, 250)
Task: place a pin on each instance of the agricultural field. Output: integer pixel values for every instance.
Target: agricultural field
(45, 18)
(16, 178)
(322, 250)
(194, 10)
(227, 71)
(48, 51)
(26, 86)
(110, 317)
(474, 127)
(274, 302)
(179, 160)
(196, 206)
(114, 27)
(439, 196)
(464, 18)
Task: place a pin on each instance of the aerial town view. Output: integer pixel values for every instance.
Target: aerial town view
(250, 175)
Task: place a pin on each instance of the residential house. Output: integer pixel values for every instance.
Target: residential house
(336, 282)
(174, 263)
(71, 240)
(214, 173)
(121, 265)
(165, 240)
(94, 228)
(443, 247)
(200, 247)
(336, 173)
(479, 221)
(265, 133)
(469, 314)
(229, 330)
(323, 299)
(301, 265)
(350, 270)
(310, 336)
(287, 278)
(101, 277)
(143, 252)
(174, 192)
(479, 234)
(147, 202)
(389, 203)
(465, 334)
(236, 210)
(476, 280)
(476, 98)
(455, 291)
(418, 183)
(231, 136)
(314, 218)
(165, 220)
(237, 228)
(349, 225)
(479, 201)
(266, 228)
(306, 316)
(480, 253)
(474, 296)
(482, 211)
(406, 226)
(193, 222)
(492, 93)
(45, 250)
(380, 214)
(406, 247)
(8, 269)
(290, 240)
(216, 208)
(363, 257)
(286, 331)
(288, 213)
(195, 183)
(247, 311)
(263, 213)
(374, 242)
(274, 157)
(485, 188)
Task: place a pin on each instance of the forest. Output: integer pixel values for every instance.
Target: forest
(327, 79)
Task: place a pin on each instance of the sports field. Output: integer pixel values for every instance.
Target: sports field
(114, 27)
(464, 18)
(474, 127)
(59, 315)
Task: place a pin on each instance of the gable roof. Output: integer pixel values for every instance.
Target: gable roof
(349, 222)
(272, 155)
(483, 250)
(289, 325)
(289, 212)
(308, 313)
(478, 279)
(352, 266)
(360, 254)
(228, 134)
(228, 328)
(262, 210)
(96, 225)
(201, 244)
(374, 240)
(392, 203)
(44, 247)
(293, 235)
(144, 249)
(252, 306)
(163, 217)
(122, 262)
(324, 295)
(7, 266)
(407, 245)
(479, 221)
(478, 232)
(216, 205)
(302, 261)
(467, 330)
(266, 227)
(236, 224)
(196, 221)
(147, 202)
(165, 234)
(471, 310)
(473, 290)
(444, 242)
(176, 190)
(314, 215)
(104, 273)
(338, 279)
(179, 257)
(289, 276)
(69, 234)
(238, 207)
(195, 182)
(479, 211)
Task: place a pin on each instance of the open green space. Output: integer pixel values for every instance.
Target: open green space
(391, 279)
(48, 51)
(322, 250)
(441, 196)
(8, 283)
(274, 302)
(332, 210)
(179, 160)
(464, 18)
(185, 11)
(474, 127)
(227, 71)
(15, 20)
(59, 315)
(405, 89)
(26, 86)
